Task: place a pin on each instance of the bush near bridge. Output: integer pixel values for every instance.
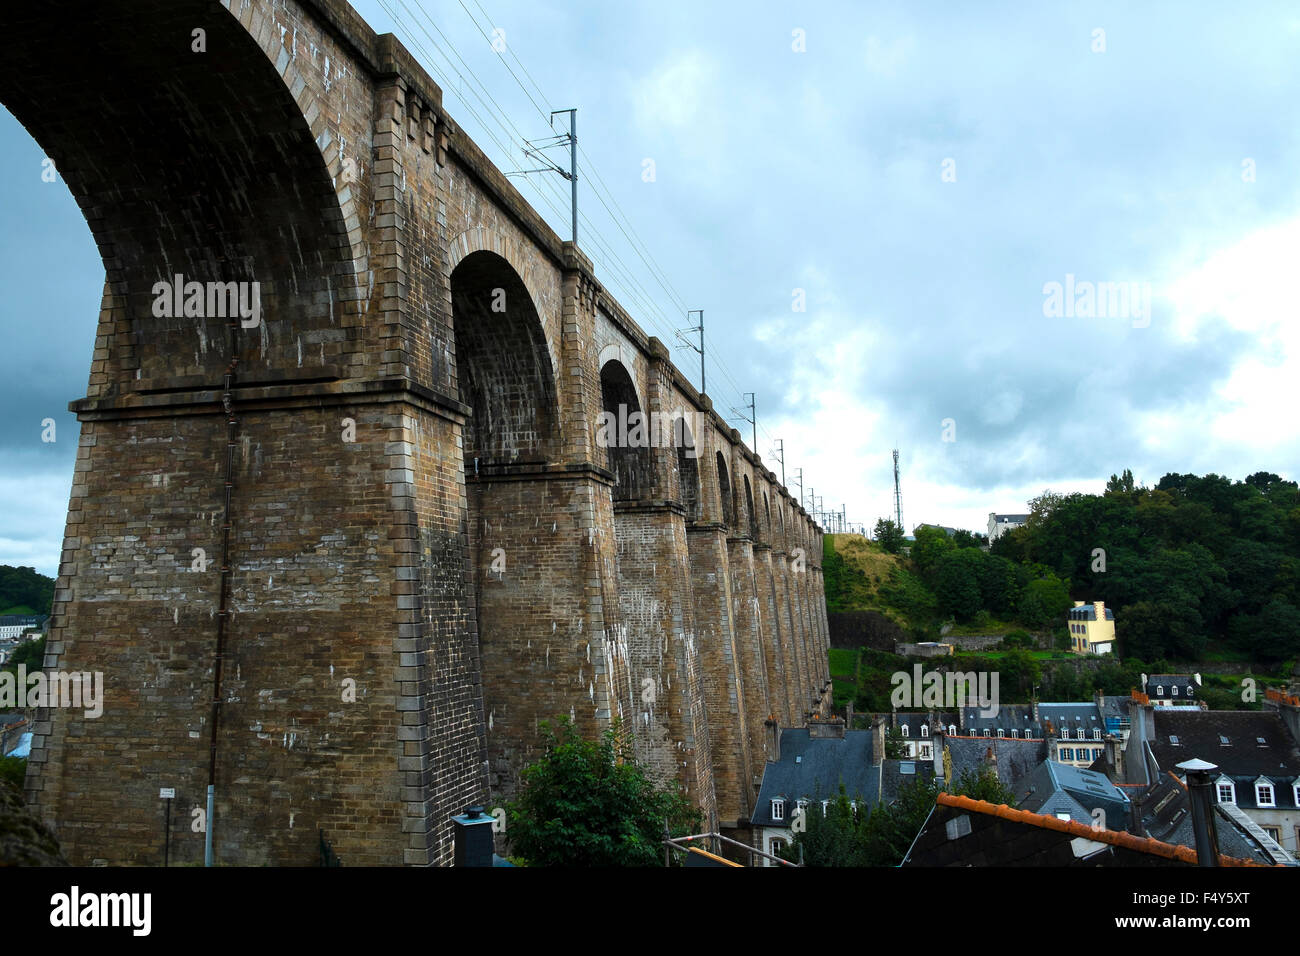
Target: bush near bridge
(588, 803)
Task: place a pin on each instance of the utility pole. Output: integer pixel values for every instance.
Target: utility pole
(573, 165)
(533, 149)
(779, 454)
(680, 333)
(752, 418)
(800, 481)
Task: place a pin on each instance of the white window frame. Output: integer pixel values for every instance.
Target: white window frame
(903, 728)
(1096, 734)
(925, 730)
(1272, 795)
(778, 809)
(1219, 787)
(1173, 691)
(952, 730)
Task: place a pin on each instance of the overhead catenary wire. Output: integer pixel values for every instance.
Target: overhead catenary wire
(546, 190)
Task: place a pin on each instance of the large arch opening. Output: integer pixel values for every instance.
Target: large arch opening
(724, 493)
(627, 443)
(519, 536)
(688, 470)
(751, 516)
(197, 165)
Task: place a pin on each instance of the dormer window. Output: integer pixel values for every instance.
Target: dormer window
(1295, 793)
(1189, 690)
(1264, 794)
(1096, 734)
(925, 730)
(903, 728)
(1015, 733)
(778, 809)
(1160, 690)
(952, 730)
(1225, 791)
(988, 732)
(1000, 733)
(1079, 733)
(1174, 690)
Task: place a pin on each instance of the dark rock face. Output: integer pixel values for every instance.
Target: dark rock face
(24, 840)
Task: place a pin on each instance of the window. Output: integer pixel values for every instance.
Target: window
(925, 730)
(952, 730)
(1160, 690)
(1096, 734)
(1065, 753)
(903, 728)
(1295, 794)
(802, 804)
(1226, 792)
(925, 751)
(774, 846)
(825, 804)
(778, 809)
(988, 732)
(1079, 733)
(1275, 833)
(1000, 733)
(1264, 795)
(1189, 690)
(1015, 733)
(1174, 690)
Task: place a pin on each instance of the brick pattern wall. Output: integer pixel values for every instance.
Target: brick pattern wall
(380, 674)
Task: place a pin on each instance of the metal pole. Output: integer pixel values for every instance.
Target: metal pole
(702, 388)
(573, 169)
(167, 833)
(207, 831)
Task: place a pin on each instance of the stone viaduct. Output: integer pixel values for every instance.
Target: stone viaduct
(341, 562)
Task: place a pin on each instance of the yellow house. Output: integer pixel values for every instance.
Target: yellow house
(1092, 628)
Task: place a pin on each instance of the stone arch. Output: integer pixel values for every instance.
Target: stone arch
(728, 515)
(503, 367)
(751, 516)
(625, 433)
(688, 469)
(767, 517)
(243, 190)
(512, 250)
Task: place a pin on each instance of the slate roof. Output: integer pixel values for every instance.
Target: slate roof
(1014, 759)
(1003, 519)
(1257, 742)
(965, 832)
(1167, 816)
(1008, 717)
(1088, 612)
(894, 776)
(1054, 787)
(1160, 687)
(814, 769)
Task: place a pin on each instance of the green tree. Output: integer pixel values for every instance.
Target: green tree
(1044, 601)
(834, 838)
(889, 536)
(957, 576)
(930, 545)
(587, 803)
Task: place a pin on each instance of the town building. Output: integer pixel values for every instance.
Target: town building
(1173, 690)
(1092, 628)
(1001, 524)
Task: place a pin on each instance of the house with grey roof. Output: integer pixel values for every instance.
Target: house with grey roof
(1256, 756)
(1173, 690)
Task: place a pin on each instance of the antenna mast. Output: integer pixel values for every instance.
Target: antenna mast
(898, 495)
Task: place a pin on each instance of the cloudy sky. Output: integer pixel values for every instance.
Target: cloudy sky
(919, 174)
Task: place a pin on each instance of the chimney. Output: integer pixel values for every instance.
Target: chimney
(1100, 608)
(473, 836)
(1114, 757)
(1198, 786)
(773, 739)
(1034, 708)
(878, 740)
(848, 716)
